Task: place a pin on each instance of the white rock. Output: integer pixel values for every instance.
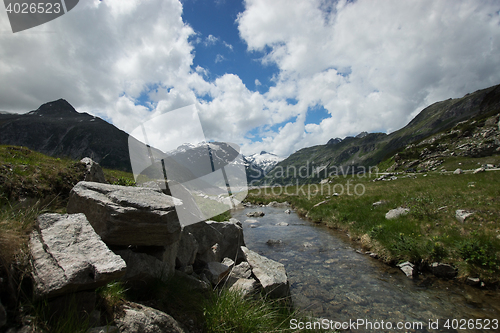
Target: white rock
(395, 213)
(407, 268)
(478, 170)
(462, 215)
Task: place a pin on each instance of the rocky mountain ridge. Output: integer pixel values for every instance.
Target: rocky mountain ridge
(57, 129)
(476, 137)
(368, 150)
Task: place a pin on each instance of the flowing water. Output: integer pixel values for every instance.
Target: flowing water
(330, 280)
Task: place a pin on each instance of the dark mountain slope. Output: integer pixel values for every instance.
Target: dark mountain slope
(58, 130)
(366, 150)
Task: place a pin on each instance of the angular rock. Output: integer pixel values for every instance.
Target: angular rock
(379, 203)
(395, 213)
(473, 281)
(241, 271)
(462, 215)
(126, 215)
(137, 318)
(217, 240)
(288, 211)
(141, 266)
(443, 271)
(192, 282)
(188, 247)
(274, 242)
(407, 268)
(68, 256)
(216, 272)
(247, 287)
(255, 214)
(228, 262)
(271, 274)
(458, 172)
(94, 171)
(478, 170)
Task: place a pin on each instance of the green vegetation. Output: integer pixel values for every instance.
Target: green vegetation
(118, 177)
(228, 311)
(25, 173)
(64, 318)
(430, 232)
(222, 217)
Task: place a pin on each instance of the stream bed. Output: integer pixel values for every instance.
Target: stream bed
(330, 280)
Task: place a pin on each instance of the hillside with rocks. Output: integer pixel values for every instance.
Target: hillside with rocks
(474, 138)
(357, 154)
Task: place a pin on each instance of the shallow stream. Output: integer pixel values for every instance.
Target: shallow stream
(330, 280)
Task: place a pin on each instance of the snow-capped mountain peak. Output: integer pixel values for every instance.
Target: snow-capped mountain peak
(264, 161)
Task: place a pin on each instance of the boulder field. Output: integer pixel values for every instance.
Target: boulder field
(113, 232)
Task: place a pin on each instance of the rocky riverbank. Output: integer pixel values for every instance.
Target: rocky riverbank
(132, 234)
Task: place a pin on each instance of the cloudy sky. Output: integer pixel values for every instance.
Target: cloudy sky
(274, 75)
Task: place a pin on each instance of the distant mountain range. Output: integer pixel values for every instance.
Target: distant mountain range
(57, 129)
(356, 154)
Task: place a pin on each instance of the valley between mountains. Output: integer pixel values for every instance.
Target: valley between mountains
(425, 200)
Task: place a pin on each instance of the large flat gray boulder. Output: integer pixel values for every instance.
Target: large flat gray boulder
(271, 274)
(126, 215)
(68, 255)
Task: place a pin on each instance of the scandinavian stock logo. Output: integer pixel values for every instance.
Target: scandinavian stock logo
(26, 14)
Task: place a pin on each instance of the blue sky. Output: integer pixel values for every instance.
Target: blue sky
(267, 75)
(218, 46)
